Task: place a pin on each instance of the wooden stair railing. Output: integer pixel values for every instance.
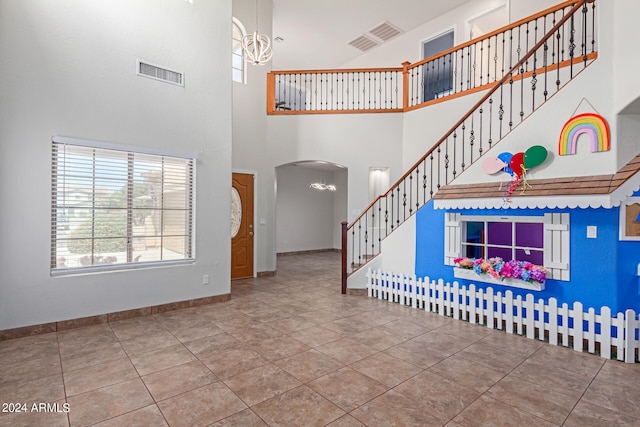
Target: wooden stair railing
(463, 69)
(494, 116)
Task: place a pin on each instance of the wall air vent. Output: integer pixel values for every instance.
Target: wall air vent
(385, 31)
(158, 73)
(363, 43)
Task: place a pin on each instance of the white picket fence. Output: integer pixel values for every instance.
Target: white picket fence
(603, 334)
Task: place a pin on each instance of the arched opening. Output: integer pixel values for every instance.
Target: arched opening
(311, 201)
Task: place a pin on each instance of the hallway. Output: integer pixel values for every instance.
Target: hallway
(289, 350)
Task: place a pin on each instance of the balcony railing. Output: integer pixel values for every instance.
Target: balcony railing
(470, 67)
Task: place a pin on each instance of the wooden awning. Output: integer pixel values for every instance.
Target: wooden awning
(583, 191)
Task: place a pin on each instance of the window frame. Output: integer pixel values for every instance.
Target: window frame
(106, 149)
(623, 219)
(513, 220)
(556, 242)
(243, 32)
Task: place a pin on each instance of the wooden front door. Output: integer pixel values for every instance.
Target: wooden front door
(242, 229)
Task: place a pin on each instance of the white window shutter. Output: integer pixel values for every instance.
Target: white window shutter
(556, 245)
(452, 234)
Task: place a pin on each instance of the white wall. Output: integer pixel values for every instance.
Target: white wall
(356, 141)
(68, 68)
(305, 217)
(408, 47)
(250, 145)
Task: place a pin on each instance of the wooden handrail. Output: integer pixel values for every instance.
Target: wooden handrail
(508, 75)
(339, 70)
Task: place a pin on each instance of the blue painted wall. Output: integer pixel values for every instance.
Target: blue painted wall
(603, 270)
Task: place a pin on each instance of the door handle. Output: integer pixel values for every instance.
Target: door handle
(251, 234)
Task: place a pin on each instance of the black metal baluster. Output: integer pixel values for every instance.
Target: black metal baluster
(392, 211)
(490, 121)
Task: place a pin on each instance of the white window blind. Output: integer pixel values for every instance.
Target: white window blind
(114, 209)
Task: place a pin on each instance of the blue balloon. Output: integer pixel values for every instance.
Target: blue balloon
(506, 158)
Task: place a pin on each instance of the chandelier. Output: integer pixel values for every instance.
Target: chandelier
(320, 186)
(256, 48)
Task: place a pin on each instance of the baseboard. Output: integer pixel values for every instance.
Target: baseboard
(266, 273)
(312, 251)
(64, 325)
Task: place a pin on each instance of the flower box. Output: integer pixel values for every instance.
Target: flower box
(468, 274)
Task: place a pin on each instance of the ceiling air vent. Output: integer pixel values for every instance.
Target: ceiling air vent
(363, 43)
(158, 73)
(385, 31)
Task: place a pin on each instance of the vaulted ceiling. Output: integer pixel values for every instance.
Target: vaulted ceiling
(316, 34)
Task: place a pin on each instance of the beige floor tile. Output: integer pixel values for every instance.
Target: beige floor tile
(202, 406)
(568, 359)
(445, 399)
(386, 369)
(316, 336)
(45, 389)
(25, 349)
(347, 388)
(161, 358)
(213, 344)
(492, 357)
(489, 412)
(298, 407)
(309, 365)
(417, 353)
(246, 418)
(98, 376)
(346, 421)
(179, 379)
(589, 415)
(31, 369)
(346, 350)
(619, 397)
(379, 339)
(262, 383)
(394, 409)
(543, 402)
(278, 348)
(467, 373)
(226, 364)
(147, 416)
(552, 377)
(108, 402)
(92, 356)
(149, 342)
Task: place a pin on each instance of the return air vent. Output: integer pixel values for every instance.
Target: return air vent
(385, 31)
(158, 73)
(363, 43)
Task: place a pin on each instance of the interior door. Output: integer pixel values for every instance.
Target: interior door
(242, 230)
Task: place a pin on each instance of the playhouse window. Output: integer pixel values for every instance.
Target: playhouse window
(630, 219)
(541, 240)
(504, 238)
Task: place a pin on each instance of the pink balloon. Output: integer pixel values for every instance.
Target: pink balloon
(492, 165)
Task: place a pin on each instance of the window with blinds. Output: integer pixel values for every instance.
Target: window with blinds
(118, 208)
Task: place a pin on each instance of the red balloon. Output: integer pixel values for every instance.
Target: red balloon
(517, 163)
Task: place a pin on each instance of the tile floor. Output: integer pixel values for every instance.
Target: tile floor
(290, 350)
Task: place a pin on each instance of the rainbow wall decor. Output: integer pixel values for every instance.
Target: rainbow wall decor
(593, 125)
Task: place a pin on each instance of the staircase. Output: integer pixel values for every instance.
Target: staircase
(567, 46)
